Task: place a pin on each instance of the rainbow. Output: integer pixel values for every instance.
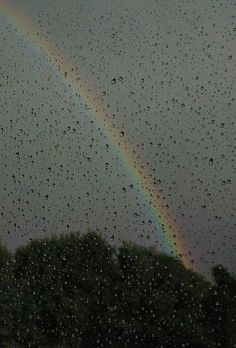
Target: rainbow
(168, 230)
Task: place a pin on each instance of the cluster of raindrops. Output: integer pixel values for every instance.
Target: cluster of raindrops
(117, 121)
(120, 119)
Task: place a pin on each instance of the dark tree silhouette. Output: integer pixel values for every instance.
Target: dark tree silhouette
(78, 291)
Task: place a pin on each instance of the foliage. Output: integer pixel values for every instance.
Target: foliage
(78, 291)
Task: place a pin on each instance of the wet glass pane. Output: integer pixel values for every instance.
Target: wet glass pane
(117, 163)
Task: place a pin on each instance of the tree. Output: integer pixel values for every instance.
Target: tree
(78, 291)
(161, 301)
(221, 307)
(8, 306)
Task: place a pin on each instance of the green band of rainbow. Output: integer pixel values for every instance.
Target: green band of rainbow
(168, 230)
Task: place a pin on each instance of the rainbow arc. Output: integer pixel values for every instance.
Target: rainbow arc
(169, 233)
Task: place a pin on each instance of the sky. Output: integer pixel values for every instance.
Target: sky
(163, 72)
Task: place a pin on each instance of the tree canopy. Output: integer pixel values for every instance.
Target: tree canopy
(78, 291)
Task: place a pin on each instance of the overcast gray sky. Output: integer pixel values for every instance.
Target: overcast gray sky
(174, 97)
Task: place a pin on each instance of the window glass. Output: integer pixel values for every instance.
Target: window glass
(117, 193)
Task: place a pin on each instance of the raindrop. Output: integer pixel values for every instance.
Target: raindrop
(210, 161)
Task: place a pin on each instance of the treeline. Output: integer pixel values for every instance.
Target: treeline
(78, 291)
